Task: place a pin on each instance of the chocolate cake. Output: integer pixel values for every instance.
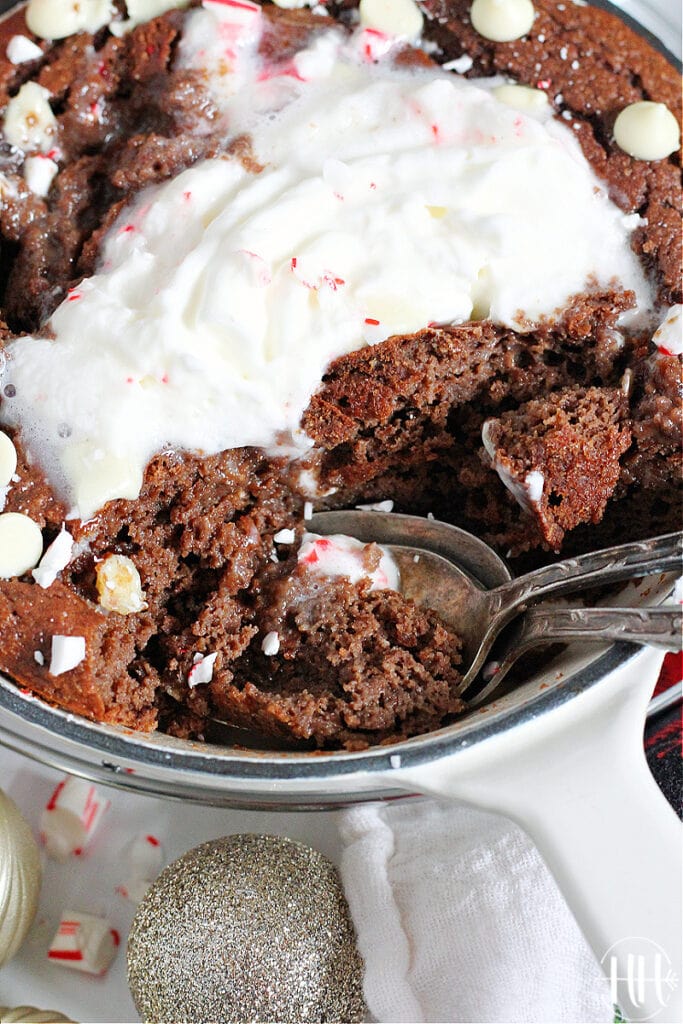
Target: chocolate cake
(171, 580)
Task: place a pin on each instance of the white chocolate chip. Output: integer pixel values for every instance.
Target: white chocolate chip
(67, 652)
(119, 585)
(8, 460)
(502, 20)
(393, 17)
(39, 657)
(308, 510)
(647, 131)
(21, 544)
(21, 49)
(144, 10)
(56, 558)
(29, 123)
(522, 98)
(56, 19)
(202, 670)
(270, 644)
(39, 173)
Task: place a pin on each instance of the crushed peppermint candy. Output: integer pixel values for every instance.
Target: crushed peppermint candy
(461, 65)
(39, 173)
(67, 653)
(285, 537)
(534, 484)
(669, 335)
(339, 555)
(270, 645)
(84, 942)
(377, 506)
(202, 670)
(56, 557)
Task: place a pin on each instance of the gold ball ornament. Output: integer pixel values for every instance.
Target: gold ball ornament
(30, 1015)
(246, 928)
(20, 878)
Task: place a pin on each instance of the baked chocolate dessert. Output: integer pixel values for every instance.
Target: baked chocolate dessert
(264, 258)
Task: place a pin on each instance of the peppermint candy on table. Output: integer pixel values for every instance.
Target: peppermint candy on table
(71, 817)
(84, 942)
(145, 857)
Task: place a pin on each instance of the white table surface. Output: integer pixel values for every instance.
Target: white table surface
(88, 883)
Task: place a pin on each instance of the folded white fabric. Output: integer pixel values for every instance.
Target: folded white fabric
(459, 920)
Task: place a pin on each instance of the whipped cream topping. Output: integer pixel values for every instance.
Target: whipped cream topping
(389, 199)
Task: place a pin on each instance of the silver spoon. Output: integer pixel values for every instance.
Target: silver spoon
(658, 627)
(462, 579)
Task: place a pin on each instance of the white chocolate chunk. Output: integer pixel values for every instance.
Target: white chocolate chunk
(21, 544)
(202, 670)
(29, 122)
(291, 5)
(84, 942)
(522, 98)
(502, 20)
(270, 644)
(56, 558)
(56, 19)
(66, 653)
(8, 460)
(393, 17)
(119, 585)
(144, 10)
(39, 173)
(647, 131)
(21, 49)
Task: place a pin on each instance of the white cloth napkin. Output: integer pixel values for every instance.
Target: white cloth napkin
(459, 920)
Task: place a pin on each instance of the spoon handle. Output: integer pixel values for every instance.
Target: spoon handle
(623, 562)
(659, 627)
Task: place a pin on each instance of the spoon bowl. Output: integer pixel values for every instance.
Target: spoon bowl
(462, 579)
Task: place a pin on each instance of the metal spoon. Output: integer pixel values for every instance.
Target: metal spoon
(658, 627)
(462, 579)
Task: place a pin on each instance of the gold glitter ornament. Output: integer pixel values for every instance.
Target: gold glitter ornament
(30, 1015)
(246, 928)
(20, 877)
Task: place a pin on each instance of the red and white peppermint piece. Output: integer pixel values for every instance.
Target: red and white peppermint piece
(84, 942)
(71, 817)
(202, 670)
(145, 856)
(339, 555)
(67, 652)
(55, 558)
